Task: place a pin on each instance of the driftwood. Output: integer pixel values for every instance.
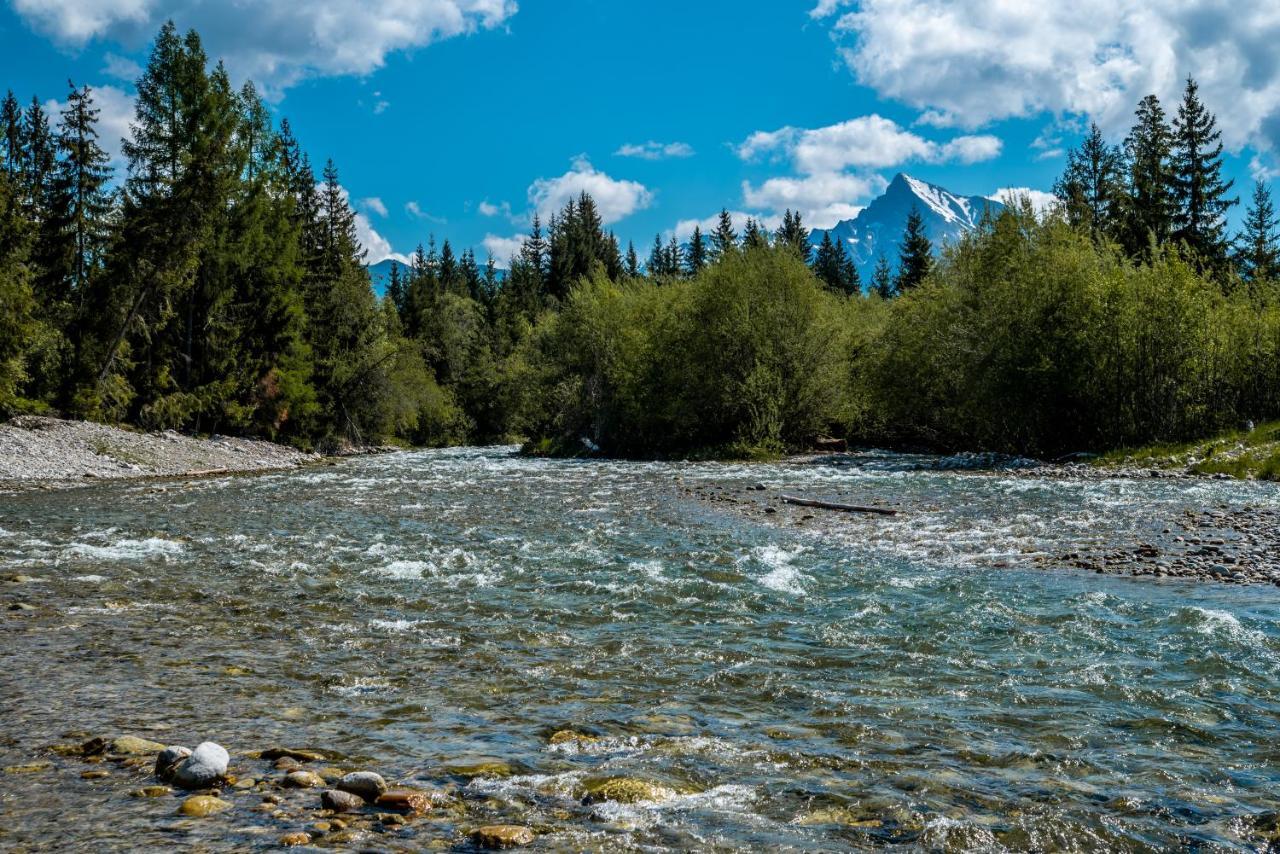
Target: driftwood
(831, 505)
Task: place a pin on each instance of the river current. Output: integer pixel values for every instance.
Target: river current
(909, 682)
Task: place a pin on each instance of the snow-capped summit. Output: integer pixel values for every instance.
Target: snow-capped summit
(878, 227)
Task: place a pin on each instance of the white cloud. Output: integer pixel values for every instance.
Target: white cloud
(1040, 200)
(116, 109)
(378, 247)
(381, 107)
(867, 142)
(276, 42)
(503, 249)
(615, 199)
(488, 208)
(121, 68)
(684, 228)
(415, 210)
(656, 150)
(822, 199)
(969, 62)
(375, 204)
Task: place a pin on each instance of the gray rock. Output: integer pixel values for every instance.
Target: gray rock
(169, 759)
(339, 801)
(366, 784)
(205, 766)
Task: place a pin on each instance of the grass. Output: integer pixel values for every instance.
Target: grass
(1244, 454)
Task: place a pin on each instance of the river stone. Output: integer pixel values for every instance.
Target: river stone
(199, 806)
(168, 760)
(129, 745)
(291, 839)
(302, 780)
(151, 792)
(366, 784)
(405, 800)
(100, 774)
(502, 836)
(625, 790)
(480, 768)
(340, 801)
(293, 753)
(205, 766)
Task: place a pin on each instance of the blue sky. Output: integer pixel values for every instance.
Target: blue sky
(459, 117)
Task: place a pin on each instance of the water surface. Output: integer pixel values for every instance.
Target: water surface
(883, 685)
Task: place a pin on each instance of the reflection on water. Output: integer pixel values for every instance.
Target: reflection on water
(879, 685)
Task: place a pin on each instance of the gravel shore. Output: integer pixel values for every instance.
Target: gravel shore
(37, 451)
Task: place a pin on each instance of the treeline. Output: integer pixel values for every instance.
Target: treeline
(218, 285)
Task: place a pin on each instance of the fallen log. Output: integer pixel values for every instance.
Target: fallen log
(831, 505)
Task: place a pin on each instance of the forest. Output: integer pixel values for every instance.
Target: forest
(217, 285)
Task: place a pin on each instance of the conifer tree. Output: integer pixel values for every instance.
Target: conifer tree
(1147, 207)
(882, 279)
(794, 236)
(724, 239)
(16, 302)
(1091, 187)
(82, 200)
(754, 236)
(657, 266)
(1258, 246)
(11, 138)
(633, 261)
(1199, 189)
(833, 266)
(696, 257)
(915, 258)
(395, 289)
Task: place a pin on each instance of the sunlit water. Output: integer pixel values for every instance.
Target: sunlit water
(886, 685)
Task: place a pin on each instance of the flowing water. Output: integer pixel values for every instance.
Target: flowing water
(881, 684)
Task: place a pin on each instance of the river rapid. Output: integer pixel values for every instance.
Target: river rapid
(917, 682)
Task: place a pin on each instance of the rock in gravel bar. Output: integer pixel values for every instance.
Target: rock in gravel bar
(302, 780)
(502, 836)
(366, 784)
(339, 801)
(205, 766)
(168, 759)
(128, 745)
(200, 806)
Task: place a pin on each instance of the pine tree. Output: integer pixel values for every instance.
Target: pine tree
(882, 279)
(915, 257)
(11, 138)
(794, 236)
(1090, 187)
(1148, 205)
(82, 200)
(724, 239)
(1258, 246)
(696, 257)
(674, 263)
(1199, 190)
(754, 236)
(835, 268)
(633, 261)
(395, 289)
(657, 266)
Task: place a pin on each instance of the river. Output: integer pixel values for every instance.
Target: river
(912, 681)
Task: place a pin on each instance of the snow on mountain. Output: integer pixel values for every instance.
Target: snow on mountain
(877, 229)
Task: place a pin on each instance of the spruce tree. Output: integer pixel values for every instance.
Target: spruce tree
(82, 199)
(674, 263)
(11, 139)
(754, 236)
(882, 279)
(1091, 187)
(395, 289)
(724, 239)
(633, 261)
(657, 266)
(1199, 189)
(1148, 205)
(16, 303)
(794, 236)
(1258, 246)
(915, 257)
(696, 257)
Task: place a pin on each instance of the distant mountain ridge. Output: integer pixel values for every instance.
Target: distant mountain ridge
(877, 229)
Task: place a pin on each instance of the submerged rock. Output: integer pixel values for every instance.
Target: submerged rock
(28, 768)
(625, 790)
(480, 768)
(200, 806)
(293, 753)
(151, 792)
(289, 840)
(340, 801)
(568, 736)
(206, 765)
(169, 759)
(503, 836)
(302, 780)
(129, 745)
(366, 784)
(406, 800)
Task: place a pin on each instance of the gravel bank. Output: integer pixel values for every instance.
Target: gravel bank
(38, 451)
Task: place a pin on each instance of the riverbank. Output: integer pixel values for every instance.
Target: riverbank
(1252, 454)
(49, 452)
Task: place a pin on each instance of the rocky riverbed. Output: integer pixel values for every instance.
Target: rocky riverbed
(38, 451)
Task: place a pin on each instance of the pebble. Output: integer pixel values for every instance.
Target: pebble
(200, 806)
(151, 792)
(405, 800)
(340, 801)
(206, 765)
(502, 836)
(293, 753)
(291, 839)
(94, 775)
(129, 745)
(366, 784)
(302, 780)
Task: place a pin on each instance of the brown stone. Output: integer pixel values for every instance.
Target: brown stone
(302, 780)
(405, 800)
(200, 806)
(339, 801)
(291, 839)
(502, 836)
(293, 753)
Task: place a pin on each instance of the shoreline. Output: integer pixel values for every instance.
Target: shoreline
(39, 452)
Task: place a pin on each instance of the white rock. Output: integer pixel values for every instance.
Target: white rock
(207, 764)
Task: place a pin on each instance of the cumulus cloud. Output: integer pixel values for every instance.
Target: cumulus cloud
(684, 228)
(115, 112)
(488, 208)
(503, 249)
(276, 42)
(656, 150)
(615, 199)
(822, 199)
(867, 142)
(1040, 200)
(121, 68)
(375, 204)
(970, 62)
